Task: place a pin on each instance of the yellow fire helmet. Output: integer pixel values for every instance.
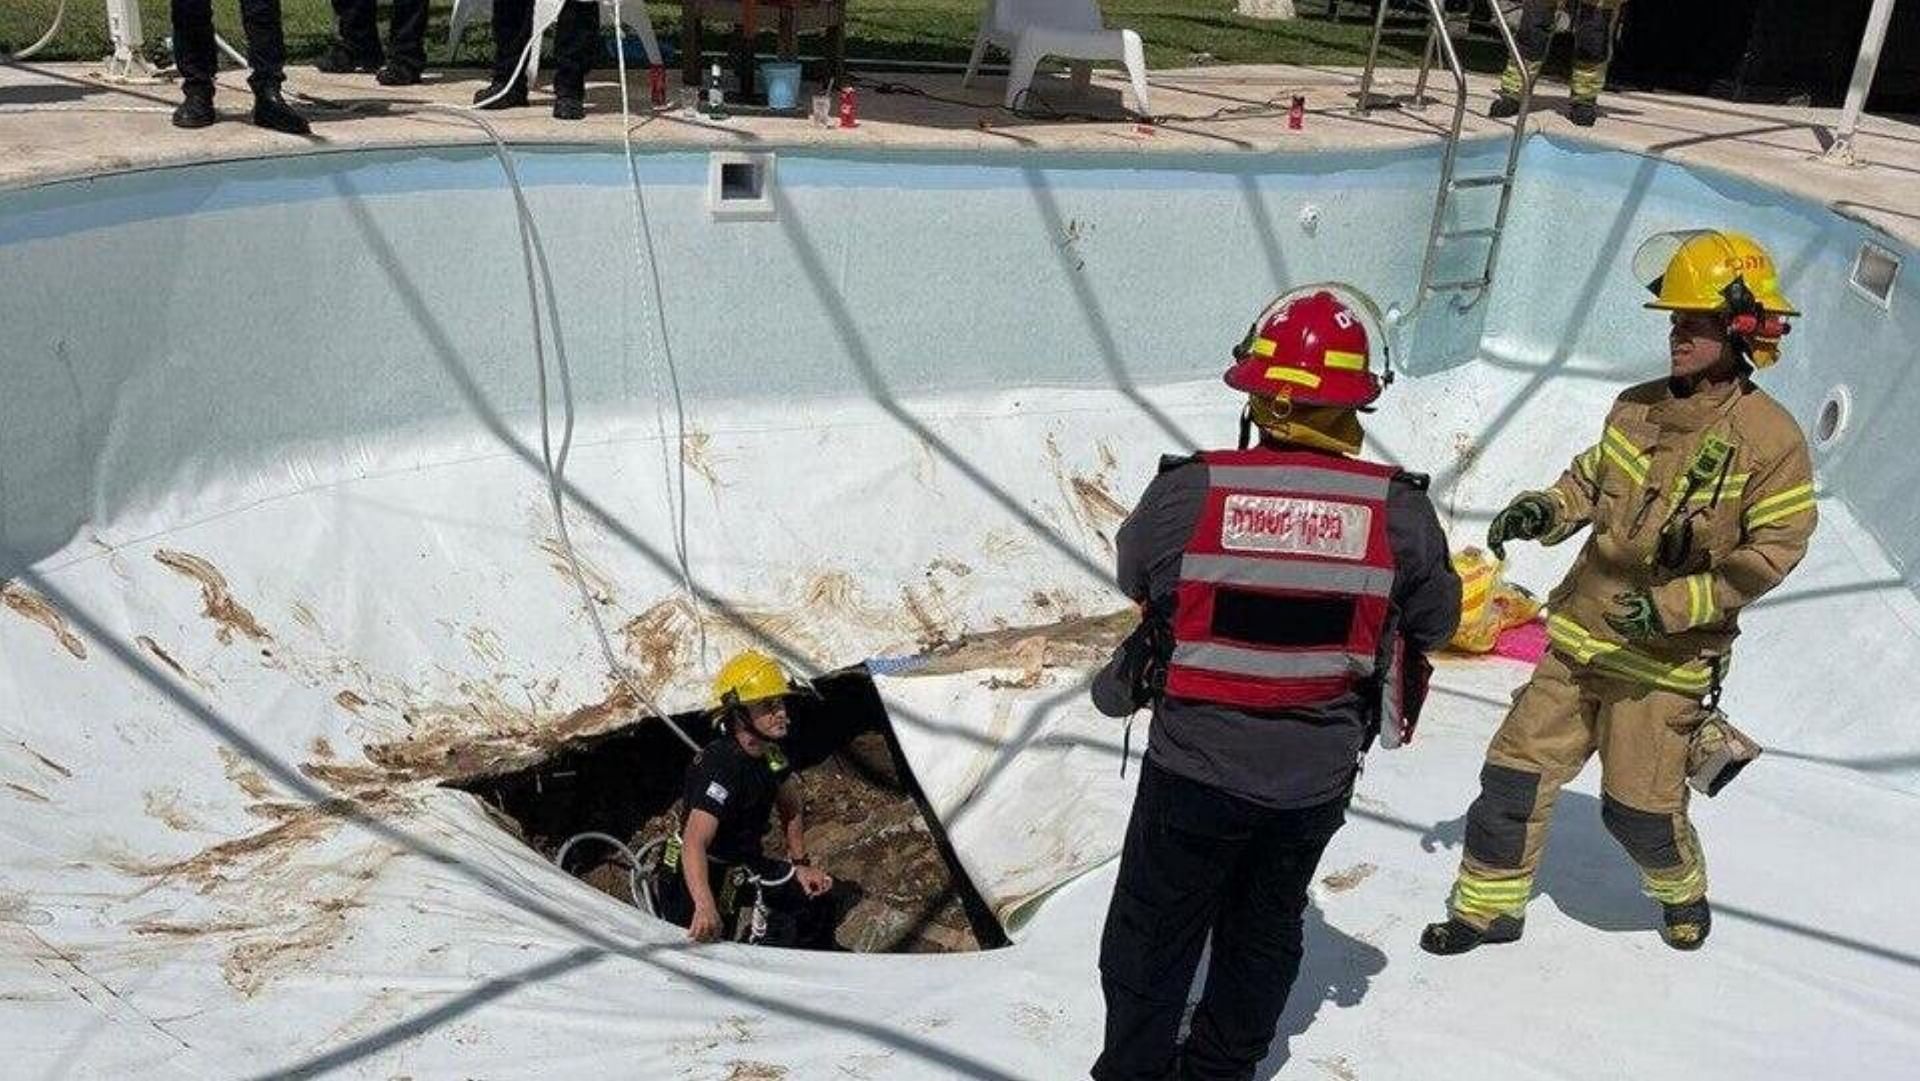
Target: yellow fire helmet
(751, 676)
(1708, 270)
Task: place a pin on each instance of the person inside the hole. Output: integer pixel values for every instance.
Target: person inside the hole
(717, 878)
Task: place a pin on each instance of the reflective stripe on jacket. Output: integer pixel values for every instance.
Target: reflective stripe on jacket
(1284, 584)
(1725, 475)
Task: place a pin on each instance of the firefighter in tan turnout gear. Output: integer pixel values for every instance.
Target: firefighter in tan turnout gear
(1699, 499)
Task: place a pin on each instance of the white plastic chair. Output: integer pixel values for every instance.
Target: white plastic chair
(1032, 29)
(634, 12)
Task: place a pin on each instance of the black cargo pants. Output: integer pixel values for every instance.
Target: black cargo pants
(576, 41)
(1198, 862)
(194, 51)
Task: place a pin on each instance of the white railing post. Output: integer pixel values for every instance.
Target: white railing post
(123, 27)
(1841, 152)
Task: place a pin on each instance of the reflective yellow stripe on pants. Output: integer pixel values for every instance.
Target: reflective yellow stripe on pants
(1573, 640)
(1479, 899)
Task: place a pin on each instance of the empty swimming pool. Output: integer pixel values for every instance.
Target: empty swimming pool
(281, 560)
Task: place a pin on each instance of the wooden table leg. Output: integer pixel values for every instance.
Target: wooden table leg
(837, 45)
(690, 42)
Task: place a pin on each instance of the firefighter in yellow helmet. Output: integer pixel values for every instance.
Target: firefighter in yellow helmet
(716, 871)
(1698, 496)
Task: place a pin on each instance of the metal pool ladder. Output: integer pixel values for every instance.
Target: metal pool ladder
(1441, 35)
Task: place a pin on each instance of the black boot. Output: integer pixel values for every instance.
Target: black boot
(1583, 113)
(1687, 925)
(195, 111)
(272, 112)
(337, 59)
(1456, 936)
(569, 109)
(397, 73)
(515, 96)
(1503, 107)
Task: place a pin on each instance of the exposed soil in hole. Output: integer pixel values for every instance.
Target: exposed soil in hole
(867, 821)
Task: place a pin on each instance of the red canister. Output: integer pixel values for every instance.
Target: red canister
(849, 108)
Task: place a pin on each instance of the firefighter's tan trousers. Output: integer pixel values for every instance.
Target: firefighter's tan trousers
(1560, 719)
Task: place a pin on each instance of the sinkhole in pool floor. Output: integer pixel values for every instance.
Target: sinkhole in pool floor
(868, 823)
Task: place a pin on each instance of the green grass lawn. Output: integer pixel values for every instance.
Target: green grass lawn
(1177, 32)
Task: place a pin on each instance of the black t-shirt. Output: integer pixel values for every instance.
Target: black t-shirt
(738, 789)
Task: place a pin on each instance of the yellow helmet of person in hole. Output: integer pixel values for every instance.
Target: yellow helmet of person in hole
(1710, 270)
(750, 676)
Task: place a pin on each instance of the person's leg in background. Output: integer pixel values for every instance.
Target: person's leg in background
(1592, 49)
(356, 43)
(267, 59)
(512, 30)
(193, 57)
(576, 42)
(1533, 37)
(406, 43)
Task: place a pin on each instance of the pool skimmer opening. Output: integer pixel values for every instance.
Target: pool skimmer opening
(740, 186)
(1874, 271)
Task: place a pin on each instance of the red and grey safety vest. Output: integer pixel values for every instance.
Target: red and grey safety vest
(1284, 586)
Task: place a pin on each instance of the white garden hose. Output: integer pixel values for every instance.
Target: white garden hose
(555, 467)
(636, 863)
(59, 13)
(676, 481)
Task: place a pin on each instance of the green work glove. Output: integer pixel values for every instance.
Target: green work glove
(1633, 615)
(1526, 518)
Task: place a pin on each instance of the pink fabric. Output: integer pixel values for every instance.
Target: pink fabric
(1527, 642)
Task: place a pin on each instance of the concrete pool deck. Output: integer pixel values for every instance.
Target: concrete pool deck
(59, 121)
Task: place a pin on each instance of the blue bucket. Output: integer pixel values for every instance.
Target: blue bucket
(783, 83)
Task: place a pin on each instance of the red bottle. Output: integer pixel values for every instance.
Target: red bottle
(849, 109)
(657, 85)
(1297, 113)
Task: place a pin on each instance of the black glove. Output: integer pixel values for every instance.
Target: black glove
(1634, 617)
(1527, 518)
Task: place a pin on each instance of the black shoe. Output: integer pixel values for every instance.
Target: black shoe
(1503, 107)
(569, 109)
(195, 111)
(514, 97)
(395, 73)
(1687, 925)
(1583, 113)
(337, 59)
(1455, 936)
(272, 112)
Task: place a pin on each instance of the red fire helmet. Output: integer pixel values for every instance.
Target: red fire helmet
(1312, 346)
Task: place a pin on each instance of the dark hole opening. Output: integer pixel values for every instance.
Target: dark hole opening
(868, 822)
(740, 180)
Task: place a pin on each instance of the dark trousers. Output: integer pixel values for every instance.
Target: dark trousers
(195, 55)
(576, 36)
(793, 918)
(1198, 861)
(406, 31)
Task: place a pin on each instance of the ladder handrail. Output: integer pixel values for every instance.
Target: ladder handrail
(1519, 135)
(1437, 10)
(1439, 33)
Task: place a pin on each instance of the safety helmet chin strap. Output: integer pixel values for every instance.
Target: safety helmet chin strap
(732, 707)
